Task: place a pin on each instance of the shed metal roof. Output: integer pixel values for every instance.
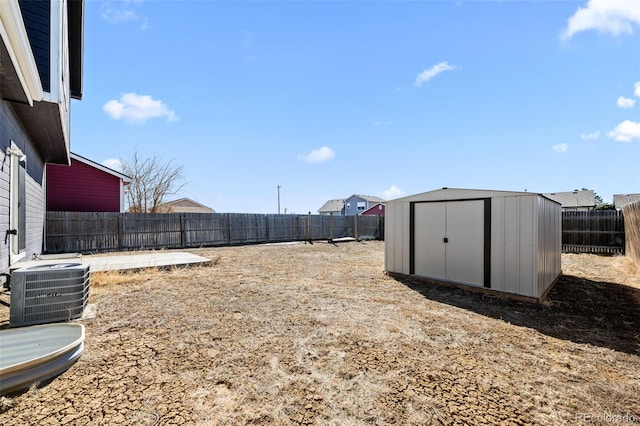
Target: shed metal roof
(462, 194)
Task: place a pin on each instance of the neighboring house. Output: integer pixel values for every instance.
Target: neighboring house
(583, 200)
(621, 200)
(375, 210)
(85, 186)
(41, 70)
(356, 204)
(183, 205)
(335, 207)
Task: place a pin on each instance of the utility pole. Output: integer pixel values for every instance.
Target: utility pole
(279, 198)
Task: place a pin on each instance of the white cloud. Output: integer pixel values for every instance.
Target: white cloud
(383, 123)
(588, 136)
(607, 16)
(561, 147)
(392, 192)
(116, 16)
(626, 102)
(116, 12)
(113, 163)
(319, 155)
(625, 131)
(636, 90)
(428, 74)
(136, 108)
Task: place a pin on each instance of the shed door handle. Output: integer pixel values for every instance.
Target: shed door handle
(446, 240)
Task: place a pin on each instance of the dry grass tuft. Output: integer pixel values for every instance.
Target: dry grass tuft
(5, 404)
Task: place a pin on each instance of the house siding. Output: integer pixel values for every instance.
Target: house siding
(351, 206)
(37, 21)
(81, 188)
(12, 130)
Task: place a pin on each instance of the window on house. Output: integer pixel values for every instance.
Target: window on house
(348, 206)
(361, 205)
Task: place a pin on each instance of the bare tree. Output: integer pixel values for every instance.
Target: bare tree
(151, 181)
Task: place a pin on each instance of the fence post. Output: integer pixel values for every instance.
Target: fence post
(331, 227)
(183, 236)
(355, 227)
(120, 232)
(309, 228)
(266, 224)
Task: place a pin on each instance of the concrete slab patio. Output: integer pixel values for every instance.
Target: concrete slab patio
(120, 262)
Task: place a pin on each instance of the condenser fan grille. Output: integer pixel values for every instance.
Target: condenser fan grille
(51, 293)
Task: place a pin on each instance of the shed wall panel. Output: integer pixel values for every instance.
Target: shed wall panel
(511, 265)
(498, 281)
(406, 236)
(397, 237)
(526, 242)
(550, 244)
(390, 237)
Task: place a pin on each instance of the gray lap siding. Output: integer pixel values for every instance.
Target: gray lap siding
(11, 129)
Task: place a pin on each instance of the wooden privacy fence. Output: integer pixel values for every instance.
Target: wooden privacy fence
(632, 223)
(599, 231)
(85, 232)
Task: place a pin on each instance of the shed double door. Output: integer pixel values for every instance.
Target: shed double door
(449, 239)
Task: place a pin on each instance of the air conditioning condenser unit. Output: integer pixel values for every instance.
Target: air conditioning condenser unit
(49, 293)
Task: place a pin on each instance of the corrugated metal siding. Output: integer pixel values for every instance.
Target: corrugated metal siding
(549, 244)
(513, 225)
(81, 188)
(396, 235)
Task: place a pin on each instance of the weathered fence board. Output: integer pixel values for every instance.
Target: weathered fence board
(632, 227)
(101, 232)
(600, 231)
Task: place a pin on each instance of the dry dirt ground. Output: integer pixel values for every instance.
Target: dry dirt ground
(317, 334)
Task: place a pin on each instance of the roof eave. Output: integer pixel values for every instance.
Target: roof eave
(16, 40)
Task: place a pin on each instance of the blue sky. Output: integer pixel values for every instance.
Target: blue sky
(387, 98)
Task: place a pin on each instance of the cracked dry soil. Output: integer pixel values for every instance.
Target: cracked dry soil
(317, 334)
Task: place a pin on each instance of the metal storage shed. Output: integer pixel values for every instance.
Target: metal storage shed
(498, 241)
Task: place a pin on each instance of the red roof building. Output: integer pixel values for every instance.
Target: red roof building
(375, 210)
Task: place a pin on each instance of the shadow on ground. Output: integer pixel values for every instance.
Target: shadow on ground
(583, 311)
